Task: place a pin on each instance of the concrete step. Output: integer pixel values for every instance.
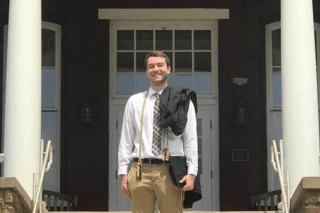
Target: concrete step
(186, 212)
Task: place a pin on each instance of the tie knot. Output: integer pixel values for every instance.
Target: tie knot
(157, 95)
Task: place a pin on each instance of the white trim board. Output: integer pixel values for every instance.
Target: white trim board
(163, 14)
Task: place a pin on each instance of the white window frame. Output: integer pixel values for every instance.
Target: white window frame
(168, 25)
(57, 29)
(273, 182)
(57, 152)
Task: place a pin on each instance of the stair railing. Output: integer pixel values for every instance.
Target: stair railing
(45, 164)
(278, 167)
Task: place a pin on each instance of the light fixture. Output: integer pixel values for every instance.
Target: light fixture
(240, 112)
(239, 81)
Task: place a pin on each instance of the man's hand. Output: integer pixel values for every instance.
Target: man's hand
(189, 179)
(124, 186)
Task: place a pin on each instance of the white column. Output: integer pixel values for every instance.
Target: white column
(22, 127)
(299, 91)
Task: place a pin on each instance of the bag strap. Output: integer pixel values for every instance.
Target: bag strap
(141, 126)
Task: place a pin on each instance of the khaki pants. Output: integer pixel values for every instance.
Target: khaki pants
(155, 184)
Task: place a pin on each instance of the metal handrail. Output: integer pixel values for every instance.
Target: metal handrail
(44, 167)
(278, 168)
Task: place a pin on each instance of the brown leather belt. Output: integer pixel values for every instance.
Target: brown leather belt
(150, 160)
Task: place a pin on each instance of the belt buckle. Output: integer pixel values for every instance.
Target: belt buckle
(150, 160)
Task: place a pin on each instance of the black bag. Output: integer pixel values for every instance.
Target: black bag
(178, 169)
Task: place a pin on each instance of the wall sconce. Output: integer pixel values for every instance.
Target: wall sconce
(240, 81)
(240, 113)
(86, 113)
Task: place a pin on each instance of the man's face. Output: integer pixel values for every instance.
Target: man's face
(157, 70)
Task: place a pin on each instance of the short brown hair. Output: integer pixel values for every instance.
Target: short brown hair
(157, 54)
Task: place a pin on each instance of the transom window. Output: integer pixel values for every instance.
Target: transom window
(190, 50)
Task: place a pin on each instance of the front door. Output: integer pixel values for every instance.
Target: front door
(192, 49)
(208, 168)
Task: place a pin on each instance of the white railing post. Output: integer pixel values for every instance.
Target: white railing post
(41, 165)
(288, 189)
(282, 167)
(277, 167)
(45, 167)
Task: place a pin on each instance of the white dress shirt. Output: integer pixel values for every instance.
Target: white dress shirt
(185, 144)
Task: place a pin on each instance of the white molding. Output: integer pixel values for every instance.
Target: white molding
(163, 14)
(269, 95)
(57, 109)
(162, 24)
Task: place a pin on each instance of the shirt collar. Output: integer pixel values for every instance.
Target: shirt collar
(152, 91)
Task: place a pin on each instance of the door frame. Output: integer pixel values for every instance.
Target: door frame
(117, 102)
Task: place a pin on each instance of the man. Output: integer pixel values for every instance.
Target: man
(155, 182)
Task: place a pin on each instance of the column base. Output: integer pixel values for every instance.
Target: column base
(13, 198)
(306, 198)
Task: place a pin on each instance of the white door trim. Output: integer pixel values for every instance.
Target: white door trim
(163, 14)
(206, 102)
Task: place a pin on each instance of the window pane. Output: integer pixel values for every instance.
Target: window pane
(199, 165)
(144, 39)
(125, 40)
(48, 88)
(183, 62)
(277, 125)
(143, 83)
(199, 127)
(140, 62)
(164, 39)
(183, 39)
(183, 81)
(48, 47)
(202, 40)
(200, 147)
(276, 78)
(276, 47)
(48, 127)
(203, 83)
(125, 84)
(169, 54)
(202, 62)
(170, 79)
(125, 62)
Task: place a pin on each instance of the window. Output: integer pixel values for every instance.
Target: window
(191, 49)
(50, 124)
(274, 100)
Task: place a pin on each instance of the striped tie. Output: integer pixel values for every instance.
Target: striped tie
(156, 145)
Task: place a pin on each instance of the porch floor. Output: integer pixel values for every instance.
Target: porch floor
(187, 212)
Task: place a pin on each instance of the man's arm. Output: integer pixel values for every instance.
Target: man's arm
(126, 139)
(125, 148)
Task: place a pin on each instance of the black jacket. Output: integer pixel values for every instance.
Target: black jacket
(174, 105)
